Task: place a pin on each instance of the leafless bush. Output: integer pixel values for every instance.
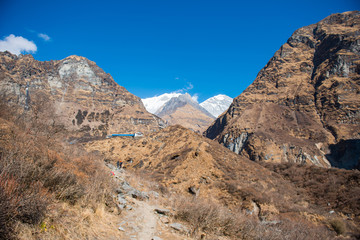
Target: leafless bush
(338, 225)
(217, 220)
(99, 186)
(65, 185)
(209, 217)
(7, 208)
(17, 203)
(339, 187)
(36, 169)
(296, 230)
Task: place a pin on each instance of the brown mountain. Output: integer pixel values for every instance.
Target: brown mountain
(73, 93)
(304, 104)
(191, 165)
(183, 110)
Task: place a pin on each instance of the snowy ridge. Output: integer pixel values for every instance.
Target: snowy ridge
(155, 103)
(217, 105)
(177, 102)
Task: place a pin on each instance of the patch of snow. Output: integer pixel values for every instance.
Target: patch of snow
(153, 104)
(217, 105)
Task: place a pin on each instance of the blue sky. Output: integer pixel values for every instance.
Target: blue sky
(204, 47)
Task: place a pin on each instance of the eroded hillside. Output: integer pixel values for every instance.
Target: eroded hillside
(74, 93)
(189, 164)
(303, 106)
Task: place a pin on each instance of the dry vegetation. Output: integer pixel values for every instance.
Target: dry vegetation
(44, 185)
(211, 219)
(333, 189)
(50, 190)
(295, 197)
(207, 219)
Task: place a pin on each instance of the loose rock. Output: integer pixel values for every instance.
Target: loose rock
(179, 227)
(162, 211)
(156, 238)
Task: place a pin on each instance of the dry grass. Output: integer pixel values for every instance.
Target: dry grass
(66, 221)
(44, 182)
(214, 220)
(332, 189)
(206, 218)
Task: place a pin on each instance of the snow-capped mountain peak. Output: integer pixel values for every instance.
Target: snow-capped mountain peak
(177, 102)
(217, 105)
(153, 104)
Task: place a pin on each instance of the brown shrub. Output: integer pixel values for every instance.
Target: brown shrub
(8, 204)
(338, 225)
(216, 220)
(287, 229)
(340, 188)
(27, 205)
(209, 217)
(36, 169)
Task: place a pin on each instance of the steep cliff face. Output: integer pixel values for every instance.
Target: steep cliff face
(73, 92)
(304, 102)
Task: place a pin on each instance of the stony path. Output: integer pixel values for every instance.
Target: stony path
(149, 221)
(138, 220)
(141, 222)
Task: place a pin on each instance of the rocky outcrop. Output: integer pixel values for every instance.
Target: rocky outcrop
(304, 100)
(73, 92)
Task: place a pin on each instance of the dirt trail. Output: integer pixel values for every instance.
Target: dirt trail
(140, 222)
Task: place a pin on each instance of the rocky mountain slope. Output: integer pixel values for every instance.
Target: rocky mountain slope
(216, 105)
(73, 93)
(188, 164)
(185, 111)
(304, 104)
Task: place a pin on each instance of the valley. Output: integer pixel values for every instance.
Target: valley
(279, 161)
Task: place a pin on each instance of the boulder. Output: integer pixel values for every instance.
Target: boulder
(179, 227)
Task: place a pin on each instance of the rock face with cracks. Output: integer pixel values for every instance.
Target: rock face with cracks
(74, 93)
(303, 106)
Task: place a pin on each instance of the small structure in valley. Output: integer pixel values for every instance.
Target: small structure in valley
(137, 134)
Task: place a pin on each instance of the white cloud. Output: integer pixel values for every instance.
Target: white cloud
(44, 36)
(195, 97)
(17, 45)
(189, 87)
(186, 88)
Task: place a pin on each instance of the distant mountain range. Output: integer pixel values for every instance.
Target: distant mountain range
(182, 109)
(215, 105)
(177, 102)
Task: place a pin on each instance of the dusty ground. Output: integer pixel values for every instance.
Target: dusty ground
(139, 221)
